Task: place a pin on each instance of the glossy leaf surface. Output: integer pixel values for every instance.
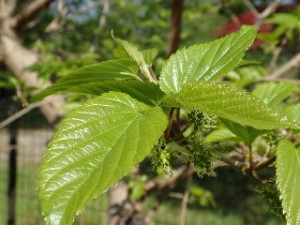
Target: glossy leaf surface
(231, 103)
(206, 61)
(95, 145)
(117, 69)
(288, 180)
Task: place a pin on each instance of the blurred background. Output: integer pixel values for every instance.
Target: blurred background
(43, 40)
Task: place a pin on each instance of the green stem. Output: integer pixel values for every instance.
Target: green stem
(147, 73)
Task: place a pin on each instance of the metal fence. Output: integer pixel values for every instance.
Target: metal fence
(21, 148)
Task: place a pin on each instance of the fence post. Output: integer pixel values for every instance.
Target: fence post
(12, 173)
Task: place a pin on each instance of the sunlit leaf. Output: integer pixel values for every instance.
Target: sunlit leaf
(231, 103)
(288, 180)
(95, 145)
(206, 61)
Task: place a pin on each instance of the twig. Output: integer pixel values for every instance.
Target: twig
(260, 17)
(267, 12)
(234, 163)
(84, 9)
(103, 17)
(174, 34)
(184, 203)
(22, 112)
(61, 9)
(158, 184)
(274, 59)
(242, 167)
(266, 163)
(229, 12)
(29, 12)
(101, 24)
(286, 68)
(279, 80)
(251, 8)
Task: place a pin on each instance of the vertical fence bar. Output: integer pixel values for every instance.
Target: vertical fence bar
(12, 173)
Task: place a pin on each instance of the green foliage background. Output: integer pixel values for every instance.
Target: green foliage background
(80, 41)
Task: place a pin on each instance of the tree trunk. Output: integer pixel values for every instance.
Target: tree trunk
(174, 34)
(16, 57)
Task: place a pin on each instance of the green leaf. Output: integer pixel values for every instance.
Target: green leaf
(137, 187)
(231, 103)
(138, 56)
(273, 93)
(132, 51)
(6, 84)
(149, 55)
(245, 76)
(247, 134)
(221, 135)
(95, 145)
(293, 113)
(206, 61)
(117, 69)
(146, 92)
(288, 180)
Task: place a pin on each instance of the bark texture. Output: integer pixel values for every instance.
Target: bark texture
(123, 211)
(15, 56)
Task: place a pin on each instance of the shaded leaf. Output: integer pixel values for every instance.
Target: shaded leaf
(221, 135)
(288, 180)
(231, 103)
(146, 92)
(244, 76)
(273, 93)
(247, 134)
(117, 69)
(206, 61)
(95, 145)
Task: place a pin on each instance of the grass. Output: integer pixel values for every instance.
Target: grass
(28, 211)
(168, 216)
(27, 204)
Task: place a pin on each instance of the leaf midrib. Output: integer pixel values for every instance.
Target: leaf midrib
(94, 170)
